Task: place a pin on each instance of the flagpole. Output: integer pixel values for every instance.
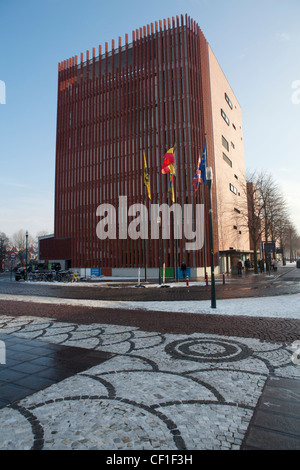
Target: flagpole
(204, 241)
(209, 179)
(203, 200)
(145, 240)
(174, 188)
(175, 240)
(169, 168)
(212, 267)
(145, 197)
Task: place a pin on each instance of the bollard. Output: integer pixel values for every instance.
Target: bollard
(187, 279)
(2, 353)
(206, 279)
(223, 278)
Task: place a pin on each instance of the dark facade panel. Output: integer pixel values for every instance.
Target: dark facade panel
(55, 249)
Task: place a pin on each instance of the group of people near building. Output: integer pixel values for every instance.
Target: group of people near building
(247, 265)
(261, 265)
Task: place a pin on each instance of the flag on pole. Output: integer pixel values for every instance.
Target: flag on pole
(168, 166)
(169, 159)
(171, 186)
(203, 163)
(197, 176)
(201, 169)
(146, 178)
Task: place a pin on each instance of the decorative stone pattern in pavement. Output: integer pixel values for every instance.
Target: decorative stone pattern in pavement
(156, 392)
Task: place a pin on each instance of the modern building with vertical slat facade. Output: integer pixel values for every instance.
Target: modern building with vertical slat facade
(139, 98)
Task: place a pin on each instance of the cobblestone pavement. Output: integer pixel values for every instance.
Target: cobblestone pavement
(115, 379)
(154, 391)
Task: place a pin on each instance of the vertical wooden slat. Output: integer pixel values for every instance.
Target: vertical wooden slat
(105, 166)
(101, 166)
(112, 156)
(138, 137)
(132, 137)
(58, 137)
(200, 255)
(149, 90)
(73, 151)
(153, 144)
(170, 99)
(161, 133)
(192, 99)
(100, 154)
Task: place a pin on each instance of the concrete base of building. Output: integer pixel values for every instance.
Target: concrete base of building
(151, 274)
(136, 274)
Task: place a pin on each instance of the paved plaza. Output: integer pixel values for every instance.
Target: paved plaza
(94, 385)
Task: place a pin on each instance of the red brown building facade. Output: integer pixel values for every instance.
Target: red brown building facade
(142, 97)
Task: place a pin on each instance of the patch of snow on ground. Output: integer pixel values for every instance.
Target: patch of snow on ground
(280, 306)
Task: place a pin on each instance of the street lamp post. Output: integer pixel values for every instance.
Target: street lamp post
(209, 177)
(26, 250)
(158, 220)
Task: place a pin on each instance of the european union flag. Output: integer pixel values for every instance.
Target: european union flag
(203, 163)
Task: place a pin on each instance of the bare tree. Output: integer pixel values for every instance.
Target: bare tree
(253, 215)
(292, 241)
(4, 248)
(273, 205)
(283, 226)
(19, 242)
(266, 213)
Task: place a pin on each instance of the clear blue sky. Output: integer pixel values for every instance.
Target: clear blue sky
(257, 43)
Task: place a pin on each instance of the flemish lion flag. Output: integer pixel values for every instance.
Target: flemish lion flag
(146, 177)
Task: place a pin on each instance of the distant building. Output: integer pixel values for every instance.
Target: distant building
(162, 89)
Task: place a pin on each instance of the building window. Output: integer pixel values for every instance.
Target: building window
(233, 126)
(236, 176)
(227, 160)
(233, 188)
(223, 114)
(232, 145)
(235, 227)
(228, 101)
(237, 210)
(225, 143)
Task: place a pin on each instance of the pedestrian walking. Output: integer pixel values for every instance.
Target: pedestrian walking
(273, 264)
(57, 269)
(239, 266)
(183, 269)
